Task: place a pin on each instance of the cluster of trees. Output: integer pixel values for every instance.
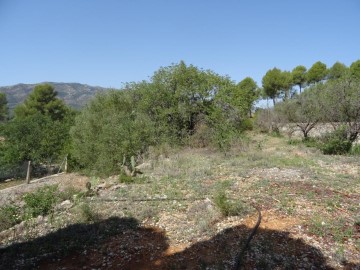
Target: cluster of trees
(333, 96)
(281, 84)
(180, 104)
(38, 131)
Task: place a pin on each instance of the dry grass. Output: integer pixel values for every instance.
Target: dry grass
(303, 193)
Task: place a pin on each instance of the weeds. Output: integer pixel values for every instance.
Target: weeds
(41, 202)
(9, 216)
(87, 213)
(228, 207)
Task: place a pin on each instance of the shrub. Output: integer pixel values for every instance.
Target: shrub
(9, 217)
(87, 214)
(355, 150)
(336, 143)
(226, 206)
(41, 202)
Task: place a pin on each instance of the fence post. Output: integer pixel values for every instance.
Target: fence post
(66, 164)
(28, 172)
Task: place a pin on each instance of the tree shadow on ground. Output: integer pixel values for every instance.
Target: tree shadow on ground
(120, 243)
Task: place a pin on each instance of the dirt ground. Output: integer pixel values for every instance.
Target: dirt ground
(168, 218)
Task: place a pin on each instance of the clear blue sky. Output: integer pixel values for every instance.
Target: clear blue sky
(109, 42)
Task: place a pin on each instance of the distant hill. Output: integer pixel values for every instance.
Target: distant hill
(74, 94)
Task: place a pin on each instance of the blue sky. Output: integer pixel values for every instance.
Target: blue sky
(109, 42)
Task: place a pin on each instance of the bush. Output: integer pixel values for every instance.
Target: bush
(227, 207)
(41, 202)
(87, 213)
(109, 129)
(336, 143)
(355, 150)
(9, 217)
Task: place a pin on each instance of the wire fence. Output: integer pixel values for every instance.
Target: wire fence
(23, 170)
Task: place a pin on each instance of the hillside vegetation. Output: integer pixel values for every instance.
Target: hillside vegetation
(180, 162)
(193, 208)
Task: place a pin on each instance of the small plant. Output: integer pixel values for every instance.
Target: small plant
(336, 143)
(319, 227)
(355, 150)
(9, 216)
(41, 202)
(227, 207)
(69, 193)
(129, 171)
(87, 214)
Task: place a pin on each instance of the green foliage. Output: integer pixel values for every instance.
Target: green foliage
(123, 178)
(4, 110)
(87, 213)
(167, 110)
(299, 76)
(276, 82)
(336, 143)
(41, 202)
(316, 73)
(226, 206)
(42, 100)
(337, 71)
(108, 129)
(9, 216)
(36, 138)
(39, 131)
(355, 69)
(246, 94)
(355, 150)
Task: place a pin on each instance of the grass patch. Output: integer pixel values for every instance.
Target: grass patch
(9, 216)
(41, 202)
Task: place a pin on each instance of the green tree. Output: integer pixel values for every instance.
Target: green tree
(37, 138)
(248, 93)
(4, 110)
(287, 84)
(108, 129)
(337, 71)
(341, 99)
(275, 81)
(316, 73)
(299, 76)
(304, 111)
(355, 69)
(43, 100)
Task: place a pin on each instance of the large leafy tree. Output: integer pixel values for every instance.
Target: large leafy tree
(3, 107)
(299, 76)
(39, 131)
(304, 111)
(316, 73)
(337, 71)
(355, 69)
(247, 94)
(110, 128)
(341, 100)
(275, 81)
(43, 99)
(36, 138)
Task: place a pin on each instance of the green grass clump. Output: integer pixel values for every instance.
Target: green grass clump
(9, 216)
(41, 202)
(228, 207)
(87, 213)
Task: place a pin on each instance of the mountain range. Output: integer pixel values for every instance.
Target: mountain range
(74, 94)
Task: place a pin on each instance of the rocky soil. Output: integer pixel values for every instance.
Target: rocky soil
(169, 218)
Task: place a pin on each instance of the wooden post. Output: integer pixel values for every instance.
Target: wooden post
(66, 164)
(28, 172)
